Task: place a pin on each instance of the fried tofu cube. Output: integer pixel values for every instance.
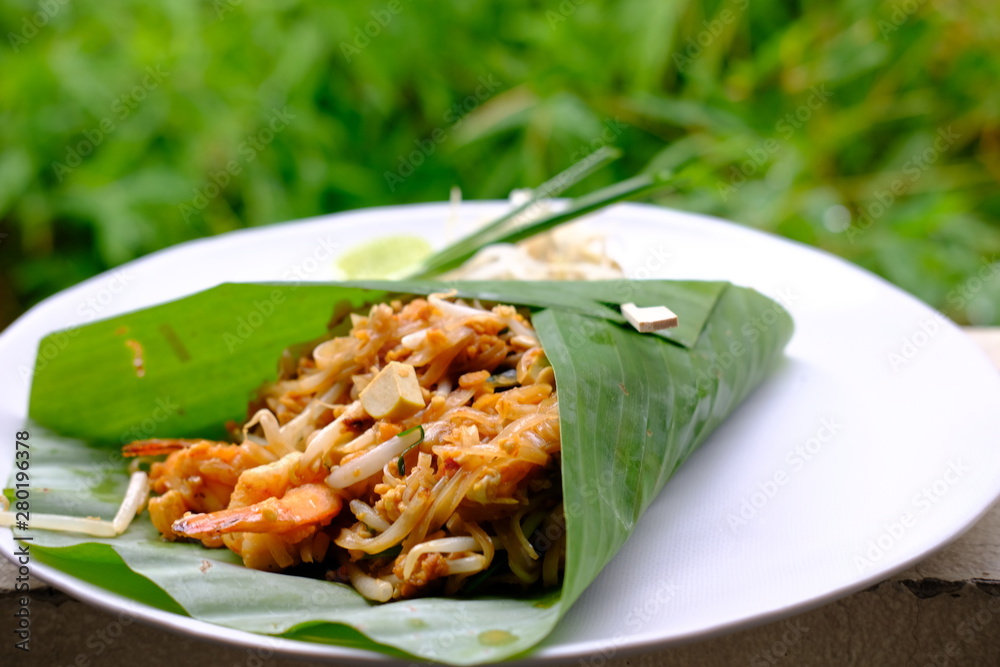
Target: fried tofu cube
(394, 393)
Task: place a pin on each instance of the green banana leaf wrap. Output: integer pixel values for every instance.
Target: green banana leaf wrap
(632, 407)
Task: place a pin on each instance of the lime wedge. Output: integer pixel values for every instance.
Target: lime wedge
(386, 257)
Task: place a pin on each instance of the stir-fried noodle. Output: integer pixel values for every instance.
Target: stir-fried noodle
(413, 455)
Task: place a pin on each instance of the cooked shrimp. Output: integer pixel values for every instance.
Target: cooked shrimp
(197, 476)
(272, 513)
(406, 511)
(299, 506)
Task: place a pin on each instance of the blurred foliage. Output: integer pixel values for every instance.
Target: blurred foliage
(118, 123)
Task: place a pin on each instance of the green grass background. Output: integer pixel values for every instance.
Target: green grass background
(815, 121)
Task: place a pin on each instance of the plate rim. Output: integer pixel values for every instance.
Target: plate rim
(541, 654)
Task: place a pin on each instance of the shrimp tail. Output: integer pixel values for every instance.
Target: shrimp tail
(306, 505)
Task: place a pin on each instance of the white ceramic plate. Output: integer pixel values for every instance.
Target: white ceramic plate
(872, 446)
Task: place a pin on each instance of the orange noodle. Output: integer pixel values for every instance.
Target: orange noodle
(411, 456)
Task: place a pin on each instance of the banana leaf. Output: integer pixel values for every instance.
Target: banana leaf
(633, 407)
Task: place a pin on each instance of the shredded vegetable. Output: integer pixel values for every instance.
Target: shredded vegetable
(134, 501)
(416, 498)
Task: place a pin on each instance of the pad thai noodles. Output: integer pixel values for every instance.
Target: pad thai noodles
(417, 454)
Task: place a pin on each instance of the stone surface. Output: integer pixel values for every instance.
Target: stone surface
(943, 611)
(887, 625)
